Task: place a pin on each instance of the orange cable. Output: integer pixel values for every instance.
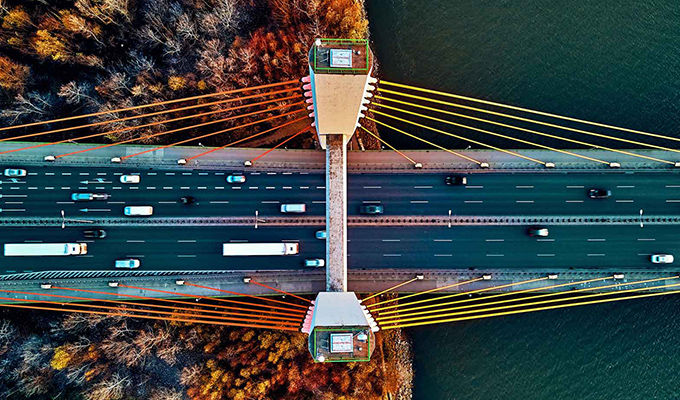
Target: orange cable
(245, 295)
(280, 291)
(249, 137)
(280, 144)
(151, 105)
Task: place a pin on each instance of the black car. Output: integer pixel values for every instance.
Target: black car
(456, 180)
(599, 193)
(371, 210)
(95, 233)
(188, 200)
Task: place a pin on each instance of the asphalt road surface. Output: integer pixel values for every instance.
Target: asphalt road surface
(200, 248)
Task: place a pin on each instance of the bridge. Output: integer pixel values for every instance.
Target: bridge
(433, 240)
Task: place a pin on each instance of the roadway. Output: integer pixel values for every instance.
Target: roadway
(47, 190)
(200, 248)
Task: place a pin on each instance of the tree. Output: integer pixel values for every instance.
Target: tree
(13, 76)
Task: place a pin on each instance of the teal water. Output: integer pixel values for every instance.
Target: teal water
(612, 61)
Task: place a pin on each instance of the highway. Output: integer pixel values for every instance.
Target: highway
(47, 190)
(200, 248)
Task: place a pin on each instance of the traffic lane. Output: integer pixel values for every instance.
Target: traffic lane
(169, 248)
(511, 247)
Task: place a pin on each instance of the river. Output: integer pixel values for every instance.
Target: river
(612, 61)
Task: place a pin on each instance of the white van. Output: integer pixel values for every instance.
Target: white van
(293, 208)
(132, 211)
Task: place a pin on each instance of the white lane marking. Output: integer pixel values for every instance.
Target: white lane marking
(304, 173)
(65, 202)
(419, 201)
(235, 188)
(85, 256)
(49, 187)
(321, 187)
(219, 202)
(673, 186)
(203, 173)
(672, 201)
(597, 240)
(253, 187)
(268, 173)
(49, 173)
(545, 240)
(32, 241)
(319, 202)
(646, 240)
(32, 188)
(167, 202)
(524, 201)
(422, 187)
(270, 187)
(169, 173)
(219, 187)
(287, 187)
(219, 173)
(238, 241)
(495, 255)
(474, 187)
(12, 209)
(152, 173)
(135, 241)
(575, 187)
(151, 187)
(116, 187)
(624, 201)
(269, 202)
(2, 196)
(625, 187)
(258, 173)
(134, 187)
(101, 173)
(115, 202)
(644, 254)
(372, 187)
(473, 201)
(15, 188)
(85, 241)
(391, 240)
(202, 187)
(100, 188)
(545, 255)
(135, 256)
(66, 174)
(371, 202)
(596, 255)
(524, 187)
(167, 187)
(33, 173)
(443, 240)
(443, 255)
(187, 241)
(82, 187)
(186, 256)
(391, 255)
(304, 187)
(84, 173)
(186, 173)
(288, 173)
(574, 201)
(117, 173)
(495, 240)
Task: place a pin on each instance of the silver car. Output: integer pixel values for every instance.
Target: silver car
(15, 173)
(236, 179)
(662, 258)
(130, 263)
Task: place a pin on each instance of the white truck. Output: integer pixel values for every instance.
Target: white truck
(260, 249)
(45, 249)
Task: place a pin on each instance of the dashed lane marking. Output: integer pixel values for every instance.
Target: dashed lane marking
(495, 240)
(474, 201)
(167, 202)
(443, 240)
(253, 187)
(269, 202)
(419, 201)
(624, 201)
(422, 187)
(219, 202)
(596, 255)
(574, 201)
(135, 241)
(186, 255)
(443, 255)
(202, 187)
(187, 241)
(391, 240)
(235, 188)
(646, 240)
(475, 187)
(575, 187)
(545, 255)
(524, 201)
(65, 202)
(270, 187)
(545, 240)
(391, 255)
(372, 187)
(597, 240)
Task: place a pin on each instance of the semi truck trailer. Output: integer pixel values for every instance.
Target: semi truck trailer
(260, 249)
(45, 249)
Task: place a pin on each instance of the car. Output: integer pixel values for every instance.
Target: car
(130, 179)
(662, 258)
(188, 200)
(371, 210)
(599, 193)
(130, 263)
(236, 179)
(132, 211)
(15, 173)
(321, 234)
(95, 233)
(315, 262)
(537, 231)
(89, 196)
(456, 180)
(293, 208)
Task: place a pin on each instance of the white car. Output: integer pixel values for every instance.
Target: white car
(236, 179)
(662, 258)
(315, 263)
(130, 263)
(134, 211)
(129, 179)
(15, 173)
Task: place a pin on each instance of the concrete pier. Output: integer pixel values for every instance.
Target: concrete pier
(336, 213)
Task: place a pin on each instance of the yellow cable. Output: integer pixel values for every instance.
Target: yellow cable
(389, 289)
(462, 138)
(527, 130)
(398, 313)
(387, 144)
(425, 141)
(461, 294)
(525, 110)
(488, 132)
(539, 302)
(530, 310)
(425, 292)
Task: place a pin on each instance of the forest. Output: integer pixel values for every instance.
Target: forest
(67, 57)
(91, 357)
